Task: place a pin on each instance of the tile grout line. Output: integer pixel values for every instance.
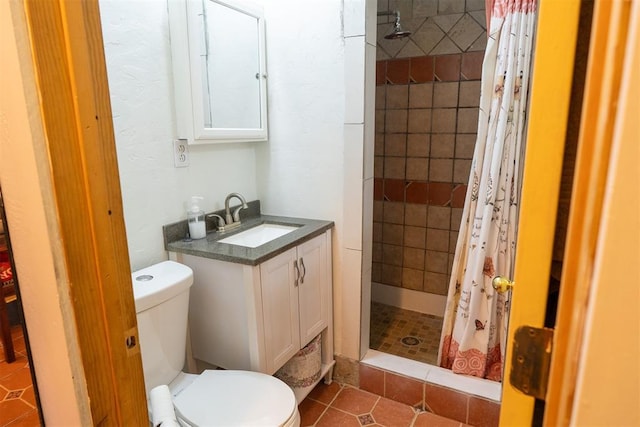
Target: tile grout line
(372, 408)
(27, 403)
(321, 413)
(326, 404)
(16, 420)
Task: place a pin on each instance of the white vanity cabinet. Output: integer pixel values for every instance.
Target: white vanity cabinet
(258, 317)
(297, 280)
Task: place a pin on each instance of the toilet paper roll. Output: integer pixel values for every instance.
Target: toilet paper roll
(162, 411)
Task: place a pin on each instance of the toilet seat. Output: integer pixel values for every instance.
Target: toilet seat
(236, 398)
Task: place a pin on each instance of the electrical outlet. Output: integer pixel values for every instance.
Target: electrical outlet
(180, 153)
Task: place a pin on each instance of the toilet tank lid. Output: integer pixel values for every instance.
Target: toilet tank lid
(160, 282)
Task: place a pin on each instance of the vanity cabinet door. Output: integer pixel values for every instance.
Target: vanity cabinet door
(280, 310)
(312, 288)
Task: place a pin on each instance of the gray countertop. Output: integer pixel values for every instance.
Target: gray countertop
(210, 247)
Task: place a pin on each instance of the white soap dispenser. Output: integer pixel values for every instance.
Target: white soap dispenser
(195, 219)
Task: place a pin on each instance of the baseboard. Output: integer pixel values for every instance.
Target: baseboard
(408, 299)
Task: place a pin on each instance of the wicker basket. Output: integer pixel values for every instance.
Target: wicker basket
(304, 368)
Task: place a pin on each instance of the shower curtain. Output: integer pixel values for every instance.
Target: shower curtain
(476, 317)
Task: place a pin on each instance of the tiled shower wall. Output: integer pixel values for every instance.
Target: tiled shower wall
(427, 97)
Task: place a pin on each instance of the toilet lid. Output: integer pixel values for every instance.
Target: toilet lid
(235, 398)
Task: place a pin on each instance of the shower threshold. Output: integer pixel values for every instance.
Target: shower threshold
(433, 374)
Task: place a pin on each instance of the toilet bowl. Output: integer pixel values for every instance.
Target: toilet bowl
(214, 397)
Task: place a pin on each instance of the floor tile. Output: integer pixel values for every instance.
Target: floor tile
(17, 398)
(391, 413)
(483, 412)
(14, 394)
(18, 379)
(358, 408)
(11, 410)
(30, 419)
(446, 402)
(427, 419)
(19, 345)
(7, 369)
(366, 420)
(371, 379)
(3, 392)
(333, 417)
(29, 396)
(355, 401)
(310, 411)
(325, 393)
(403, 389)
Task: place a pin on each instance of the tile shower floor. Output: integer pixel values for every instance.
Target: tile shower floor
(17, 399)
(405, 333)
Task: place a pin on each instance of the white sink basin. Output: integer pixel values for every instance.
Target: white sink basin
(258, 235)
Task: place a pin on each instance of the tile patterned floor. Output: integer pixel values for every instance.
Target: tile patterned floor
(346, 406)
(17, 399)
(405, 333)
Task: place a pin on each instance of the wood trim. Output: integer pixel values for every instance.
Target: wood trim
(550, 96)
(613, 318)
(66, 40)
(609, 32)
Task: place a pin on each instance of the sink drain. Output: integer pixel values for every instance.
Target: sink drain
(410, 341)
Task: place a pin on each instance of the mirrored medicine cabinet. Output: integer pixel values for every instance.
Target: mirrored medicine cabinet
(219, 66)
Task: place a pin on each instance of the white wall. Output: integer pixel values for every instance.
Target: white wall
(319, 159)
(360, 65)
(154, 192)
(300, 168)
(310, 167)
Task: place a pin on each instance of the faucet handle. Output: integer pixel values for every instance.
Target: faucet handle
(221, 222)
(236, 213)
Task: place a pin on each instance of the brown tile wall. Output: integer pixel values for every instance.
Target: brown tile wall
(436, 399)
(426, 124)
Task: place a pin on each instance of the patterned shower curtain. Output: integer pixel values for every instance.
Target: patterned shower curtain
(476, 317)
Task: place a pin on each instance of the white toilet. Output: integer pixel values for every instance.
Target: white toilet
(215, 397)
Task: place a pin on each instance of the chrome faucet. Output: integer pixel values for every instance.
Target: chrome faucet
(233, 221)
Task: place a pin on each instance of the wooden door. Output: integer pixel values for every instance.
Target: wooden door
(548, 119)
(312, 288)
(549, 106)
(607, 95)
(280, 309)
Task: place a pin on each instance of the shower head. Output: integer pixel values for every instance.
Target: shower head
(397, 32)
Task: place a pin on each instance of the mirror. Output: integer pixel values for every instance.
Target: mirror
(219, 64)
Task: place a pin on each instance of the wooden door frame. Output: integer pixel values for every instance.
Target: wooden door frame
(70, 74)
(599, 114)
(609, 396)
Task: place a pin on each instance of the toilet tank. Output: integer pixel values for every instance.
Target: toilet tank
(161, 294)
